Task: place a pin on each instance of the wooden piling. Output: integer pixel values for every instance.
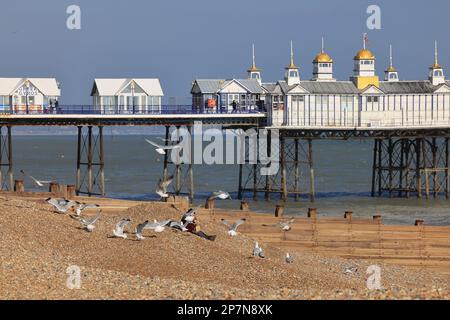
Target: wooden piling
(19, 186)
(53, 188)
(245, 206)
(348, 215)
(377, 219)
(419, 223)
(312, 213)
(279, 211)
(71, 191)
(210, 203)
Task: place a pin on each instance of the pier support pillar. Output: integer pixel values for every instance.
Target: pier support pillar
(405, 166)
(6, 159)
(295, 176)
(90, 176)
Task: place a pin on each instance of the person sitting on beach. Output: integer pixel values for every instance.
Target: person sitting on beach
(194, 228)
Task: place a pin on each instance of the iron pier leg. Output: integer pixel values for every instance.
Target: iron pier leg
(312, 192)
(102, 162)
(10, 159)
(447, 181)
(284, 191)
(166, 155)
(268, 177)
(241, 171)
(391, 154)
(374, 166)
(178, 169)
(296, 169)
(435, 167)
(380, 169)
(191, 167)
(78, 183)
(402, 167)
(418, 172)
(89, 158)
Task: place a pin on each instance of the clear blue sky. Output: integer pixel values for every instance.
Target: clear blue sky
(178, 41)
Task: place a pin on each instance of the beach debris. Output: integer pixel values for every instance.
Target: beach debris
(61, 205)
(163, 184)
(351, 270)
(83, 206)
(284, 225)
(232, 228)
(88, 224)
(162, 149)
(118, 231)
(222, 195)
(39, 183)
(258, 251)
(140, 229)
(156, 226)
(289, 258)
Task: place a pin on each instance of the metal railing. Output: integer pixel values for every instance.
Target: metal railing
(115, 110)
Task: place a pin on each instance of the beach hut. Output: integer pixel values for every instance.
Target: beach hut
(29, 95)
(127, 96)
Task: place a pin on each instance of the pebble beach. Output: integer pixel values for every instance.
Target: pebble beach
(38, 246)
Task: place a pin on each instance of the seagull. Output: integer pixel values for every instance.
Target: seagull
(163, 184)
(222, 195)
(178, 225)
(189, 216)
(158, 227)
(232, 229)
(118, 231)
(289, 258)
(258, 251)
(140, 229)
(351, 270)
(39, 183)
(162, 149)
(284, 225)
(84, 206)
(88, 224)
(61, 205)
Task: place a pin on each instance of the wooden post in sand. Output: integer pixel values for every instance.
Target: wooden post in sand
(210, 203)
(348, 215)
(71, 191)
(245, 206)
(19, 186)
(54, 188)
(279, 211)
(312, 213)
(377, 219)
(419, 223)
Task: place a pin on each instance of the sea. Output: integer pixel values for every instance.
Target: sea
(343, 171)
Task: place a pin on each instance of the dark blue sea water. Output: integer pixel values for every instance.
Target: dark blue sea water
(342, 168)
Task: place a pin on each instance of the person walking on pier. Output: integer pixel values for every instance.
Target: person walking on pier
(234, 105)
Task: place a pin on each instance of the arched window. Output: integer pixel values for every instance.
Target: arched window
(293, 74)
(393, 76)
(438, 73)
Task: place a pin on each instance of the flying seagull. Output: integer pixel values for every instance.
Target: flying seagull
(83, 206)
(189, 216)
(118, 231)
(61, 205)
(178, 225)
(232, 229)
(258, 251)
(162, 149)
(284, 225)
(158, 227)
(140, 229)
(39, 183)
(222, 195)
(163, 184)
(88, 224)
(289, 258)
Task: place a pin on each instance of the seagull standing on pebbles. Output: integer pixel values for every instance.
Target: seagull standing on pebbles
(258, 251)
(232, 229)
(163, 184)
(162, 149)
(88, 224)
(158, 227)
(61, 205)
(289, 258)
(118, 231)
(284, 225)
(84, 206)
(140, 229)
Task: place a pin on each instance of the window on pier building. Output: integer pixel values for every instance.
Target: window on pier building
(347, 103)
(372, 103)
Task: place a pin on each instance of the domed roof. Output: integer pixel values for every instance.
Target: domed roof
(364, 54)
(436, 66)
(391, 69)
(323, 58)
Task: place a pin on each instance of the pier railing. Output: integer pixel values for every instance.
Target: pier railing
(129, 110)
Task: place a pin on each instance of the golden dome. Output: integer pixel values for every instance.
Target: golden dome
(253, 69)
(436, 66)
(323, 58)
(364, 54)
(391, 69)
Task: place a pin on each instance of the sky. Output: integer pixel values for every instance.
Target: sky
(178, 41)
